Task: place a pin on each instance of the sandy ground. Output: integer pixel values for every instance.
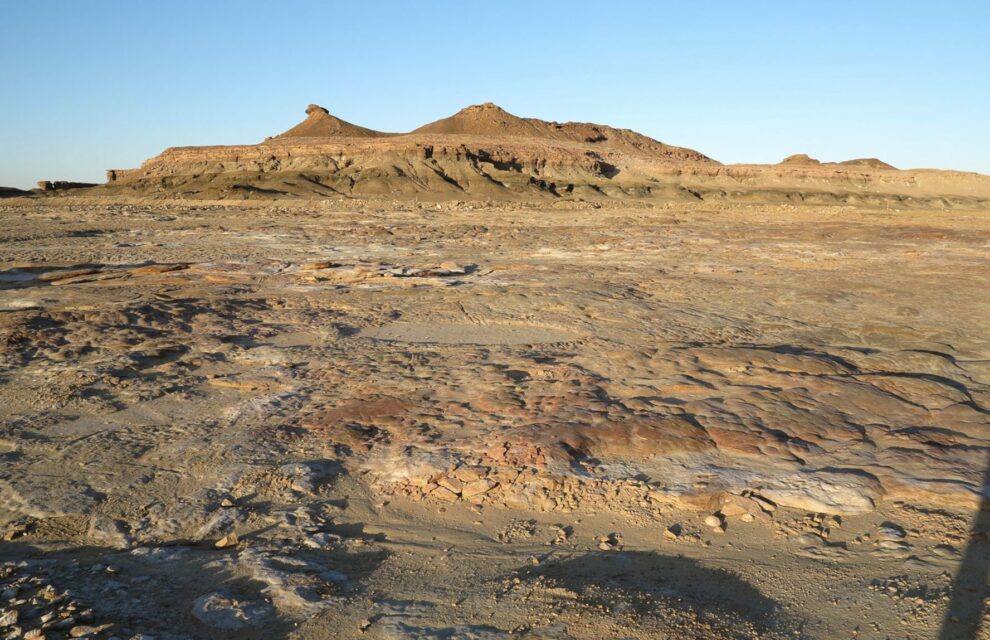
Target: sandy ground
(449, 421)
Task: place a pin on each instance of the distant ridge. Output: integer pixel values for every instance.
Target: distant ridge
(483, 152)
(803, 159)
(872, 163)
(12, 192)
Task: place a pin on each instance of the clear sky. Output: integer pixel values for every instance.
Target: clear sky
(86, 86)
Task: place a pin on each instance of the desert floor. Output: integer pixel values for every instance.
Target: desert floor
(317, 420)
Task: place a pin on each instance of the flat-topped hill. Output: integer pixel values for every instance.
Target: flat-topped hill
(485, 152)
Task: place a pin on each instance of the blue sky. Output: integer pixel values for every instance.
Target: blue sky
(86, 86)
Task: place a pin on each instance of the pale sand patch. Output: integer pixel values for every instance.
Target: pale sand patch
(467, 333)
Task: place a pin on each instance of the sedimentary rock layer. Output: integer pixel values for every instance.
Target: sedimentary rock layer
(483, 152)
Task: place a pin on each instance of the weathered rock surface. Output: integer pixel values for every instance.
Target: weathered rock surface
(437, 408)
(227, 613)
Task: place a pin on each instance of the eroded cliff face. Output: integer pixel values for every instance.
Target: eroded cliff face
(453, 166)
(443, 165)
(483, 152)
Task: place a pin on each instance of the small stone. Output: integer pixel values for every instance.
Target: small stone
(452, 484)
(87, 630)
(65, 623)
(673, 532)
(9, 618)
(468, 474)
(611, 542)
(109, 532)
(229, 540)
(154, 269)
(894, 545)
(319, 264)
(222, 611)
(445, 494)
(890, 531)
(747, 517)
(477, 487)
(731, 505)
(810, 539)
(763, 503)
(713, 521)
(227, 502)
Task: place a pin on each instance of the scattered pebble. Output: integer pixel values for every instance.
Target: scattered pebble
(229, 540)
(611, 542)
(889, 531)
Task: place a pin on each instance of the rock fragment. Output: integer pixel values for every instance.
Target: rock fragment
(9, 618)
(890, 531)
(229, 540)
(610, 542)
(87, 630)
(223, 611)
(109, 532)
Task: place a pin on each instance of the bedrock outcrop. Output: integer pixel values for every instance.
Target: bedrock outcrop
(484, 152)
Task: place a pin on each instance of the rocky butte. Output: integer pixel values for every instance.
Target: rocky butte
(484, 152)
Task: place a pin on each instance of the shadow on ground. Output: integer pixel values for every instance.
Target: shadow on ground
(967, 606)
(658, 591)
(155, 590)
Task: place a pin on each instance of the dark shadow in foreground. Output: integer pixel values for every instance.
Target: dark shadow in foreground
(191, 591)
(653, 593)
(969, 588)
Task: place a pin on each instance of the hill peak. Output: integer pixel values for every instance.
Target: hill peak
(800, 159)
(320, 123)
(486, 119)
(484, 106)
(315, 111)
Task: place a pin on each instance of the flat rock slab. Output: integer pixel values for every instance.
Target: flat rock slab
(466, 333)
(222, 611)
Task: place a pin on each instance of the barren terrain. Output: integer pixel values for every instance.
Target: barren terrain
(563, 419)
